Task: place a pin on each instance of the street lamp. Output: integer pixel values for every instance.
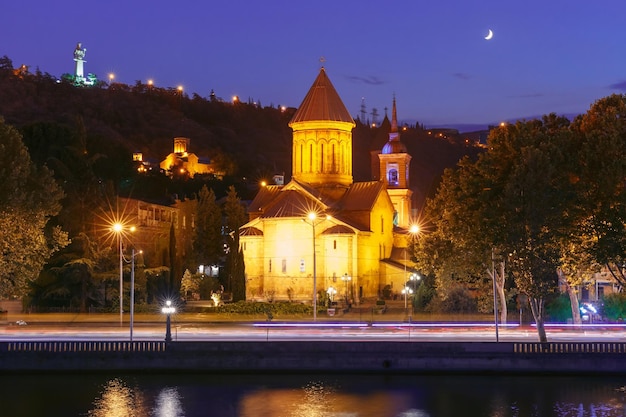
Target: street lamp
(413, 230)
(313, 220)
(406, 290)
(346, 278)
(331, 291)
(118, 228)
(168, 310)
(132, 289)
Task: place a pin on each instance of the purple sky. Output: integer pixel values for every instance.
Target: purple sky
(545, 56)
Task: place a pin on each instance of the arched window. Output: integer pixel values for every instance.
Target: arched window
(393, 177)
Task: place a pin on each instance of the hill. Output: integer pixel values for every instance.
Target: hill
(248, 141)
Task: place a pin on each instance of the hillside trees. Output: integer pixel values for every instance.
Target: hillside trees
(29, 197)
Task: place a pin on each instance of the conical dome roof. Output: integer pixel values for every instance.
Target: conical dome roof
(322, 103)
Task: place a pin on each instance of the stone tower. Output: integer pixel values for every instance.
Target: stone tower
(322, 137)
(394, 171)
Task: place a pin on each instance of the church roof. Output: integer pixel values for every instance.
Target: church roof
(250, 231)
(264, 197)
(291, 203)
(322, 103)
(394, 146)
(361, 196)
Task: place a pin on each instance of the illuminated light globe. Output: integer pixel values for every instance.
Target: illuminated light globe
(168, 309)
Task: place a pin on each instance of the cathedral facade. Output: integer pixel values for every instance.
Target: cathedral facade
(322, 232)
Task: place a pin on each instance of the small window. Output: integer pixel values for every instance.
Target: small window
(284, 266)
(393, 177)
(270, 266)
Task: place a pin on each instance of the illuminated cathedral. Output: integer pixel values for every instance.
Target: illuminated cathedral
(322, 230)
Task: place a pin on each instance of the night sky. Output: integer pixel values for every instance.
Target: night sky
(545, 56)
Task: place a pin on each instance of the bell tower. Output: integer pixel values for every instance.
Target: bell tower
(394, 162)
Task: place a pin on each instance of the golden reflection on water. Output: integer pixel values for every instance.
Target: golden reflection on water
(330, 399)
(317, 399)
(119, 400)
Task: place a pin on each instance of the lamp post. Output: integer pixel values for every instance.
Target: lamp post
(346, 278)
(331, 291)
(313, 221)
(495, 303)
(406, 290)
(168, 310)
(118, 228)
(132, 290)
(413, 230)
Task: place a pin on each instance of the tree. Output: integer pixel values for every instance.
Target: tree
(513, 200)
(600, 186)
(208, 247)
(29, 197)
(189, 284)
(235, 217)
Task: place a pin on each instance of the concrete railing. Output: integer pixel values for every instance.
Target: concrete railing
(87, 346)
(570, 347)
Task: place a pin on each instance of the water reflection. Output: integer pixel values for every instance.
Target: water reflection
(324, 399)
(310, 396)
(168, 404)
(119, 400)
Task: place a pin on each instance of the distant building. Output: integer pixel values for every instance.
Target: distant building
(182, 162)
(154, 222)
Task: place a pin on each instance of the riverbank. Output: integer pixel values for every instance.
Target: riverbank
(314, 356)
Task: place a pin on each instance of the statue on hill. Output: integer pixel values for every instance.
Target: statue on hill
(79, 74)
(79, 52)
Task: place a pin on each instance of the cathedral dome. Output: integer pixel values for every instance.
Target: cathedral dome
(394, 146)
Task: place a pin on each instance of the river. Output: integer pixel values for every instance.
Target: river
(317, 395)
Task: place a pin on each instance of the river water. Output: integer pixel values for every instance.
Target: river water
(177, 395)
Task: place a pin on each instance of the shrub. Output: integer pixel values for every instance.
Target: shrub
(559, 309)
(459, 300)
(387, 292)
(257, 308)
(615, 306)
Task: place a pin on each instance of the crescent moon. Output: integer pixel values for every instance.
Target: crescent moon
(489, 35)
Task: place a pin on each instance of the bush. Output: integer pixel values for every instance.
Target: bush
(257, 308)
(615, 306)
(387, 292)
(422, 298)
(459, 300)
(559, 309)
